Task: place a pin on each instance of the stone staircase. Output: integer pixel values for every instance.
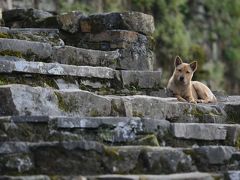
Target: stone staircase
(80, 100)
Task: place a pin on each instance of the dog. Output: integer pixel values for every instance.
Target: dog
(184, 89)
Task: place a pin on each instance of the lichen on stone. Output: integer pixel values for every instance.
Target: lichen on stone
(11, 53)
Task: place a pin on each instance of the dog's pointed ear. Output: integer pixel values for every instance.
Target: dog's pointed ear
(178, 61)
(193, 66)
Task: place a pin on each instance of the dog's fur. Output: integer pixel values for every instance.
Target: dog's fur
(184, 89)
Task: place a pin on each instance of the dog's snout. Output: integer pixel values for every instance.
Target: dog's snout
(181, 78)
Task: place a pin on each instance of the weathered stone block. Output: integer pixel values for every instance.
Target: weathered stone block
(51, 36)
(22, 66)
(214, 155)
(83, 103)
(166, 108)
(136, 59)
(79, 56)
(134, 21)
(42, 50)
(25, 100)
(23, 17)
(111, 40)
(141, 79)
(69, 21)
(199, 131)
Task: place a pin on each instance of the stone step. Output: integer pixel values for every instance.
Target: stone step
(55, 69)
(101, 80)
(38, 51)
(109, 40)
(26, 100)
(109, 130)
(73, 22)
(90, 157)
(115, 130)
(51, 36)
(179, 176)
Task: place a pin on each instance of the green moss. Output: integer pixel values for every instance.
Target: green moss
(237, 144)
(196, 113)
(150, 140)
(61, 102)
(4, 35)
(137, 114)
(66, 104)
(111, 151)
(94, 113)
(11, 53)
(3, 80)
(103, 91)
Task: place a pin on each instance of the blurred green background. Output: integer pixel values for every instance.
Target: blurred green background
(204, 30)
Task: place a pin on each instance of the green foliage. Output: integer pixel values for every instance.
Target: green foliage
(76, 6)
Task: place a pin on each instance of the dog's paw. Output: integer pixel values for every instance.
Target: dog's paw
(199, 101)
(193, 101)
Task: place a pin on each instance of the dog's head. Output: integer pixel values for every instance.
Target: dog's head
(183, 72)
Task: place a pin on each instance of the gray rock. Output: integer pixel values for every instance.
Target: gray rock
(165, 108)
(4, 29)
(51, 36)
(33, 177)
(70, 21)
(94, 122)
(93, 157)
(20, 163)
(95, 85)
(160, 127)
(79, 56)
(23, 17)
(170, 158)
(136, 58)
(7, 66)
(13, 147)
(232, 108)
(141, 79)
(199, 131)
(62, 84)
(214, 155)
(23, 119)
(34, 30)
(232, 175)
(111, 40)
(180, 176)
(25, 100)
(83, 103)
(133, 21)
(42, 50)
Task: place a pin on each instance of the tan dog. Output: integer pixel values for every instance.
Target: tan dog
(184, 89)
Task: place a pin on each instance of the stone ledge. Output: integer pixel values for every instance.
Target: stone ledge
(38, 51)
(55, 69)
(23, 100)
(42, 50)
(95, 158)
(134, 21)
(179, 176)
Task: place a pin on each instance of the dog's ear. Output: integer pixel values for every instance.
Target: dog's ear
(193, 66)
(178, 61)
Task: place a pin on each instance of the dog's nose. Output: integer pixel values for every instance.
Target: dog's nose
(181, 78)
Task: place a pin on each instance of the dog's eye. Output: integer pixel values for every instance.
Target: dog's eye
(188, 72)
(180, 70)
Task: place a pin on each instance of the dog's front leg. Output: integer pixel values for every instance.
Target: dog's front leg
(191, 99)
(179, 98)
